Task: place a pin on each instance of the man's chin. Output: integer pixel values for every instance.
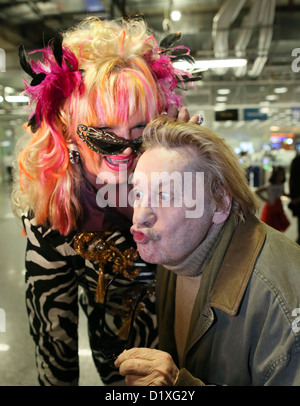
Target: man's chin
(146, 254)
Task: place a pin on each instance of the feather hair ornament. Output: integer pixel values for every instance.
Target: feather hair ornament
(53, 80)
(167, 75)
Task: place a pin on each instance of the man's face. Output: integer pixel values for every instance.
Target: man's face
(161, 228)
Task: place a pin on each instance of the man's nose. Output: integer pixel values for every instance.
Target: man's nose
(143, 217)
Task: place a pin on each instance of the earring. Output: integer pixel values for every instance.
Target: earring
(74, 154)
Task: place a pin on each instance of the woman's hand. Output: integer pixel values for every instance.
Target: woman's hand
(147, 367)
(182, 114)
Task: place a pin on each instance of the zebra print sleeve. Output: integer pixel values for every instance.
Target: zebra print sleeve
(51, 300)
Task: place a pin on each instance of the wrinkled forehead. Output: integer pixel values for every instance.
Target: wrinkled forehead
(160, 158)
(164, 164)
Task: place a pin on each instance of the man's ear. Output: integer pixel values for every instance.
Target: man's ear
(222, 211)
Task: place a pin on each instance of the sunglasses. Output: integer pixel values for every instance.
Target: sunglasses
(104, 143)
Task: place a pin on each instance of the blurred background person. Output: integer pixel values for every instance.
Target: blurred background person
(294, 184)
(273, 213)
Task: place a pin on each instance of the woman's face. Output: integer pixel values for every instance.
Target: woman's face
(113, 168)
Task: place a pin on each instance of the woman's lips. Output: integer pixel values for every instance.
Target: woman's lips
(119, 162)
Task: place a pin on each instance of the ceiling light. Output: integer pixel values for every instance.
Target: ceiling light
(9, 90)
(1, 99)
(212, 64)
(221, 99)
(220, 107)
(264, 103)
(4, 347)
(280, 90)
(223, 91)
(176, 15)
(271, 97)
(17, 99)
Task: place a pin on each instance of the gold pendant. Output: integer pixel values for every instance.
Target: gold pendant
(100, 290)
(95, 247)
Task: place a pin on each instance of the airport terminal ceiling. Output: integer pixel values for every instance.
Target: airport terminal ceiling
(265, 33)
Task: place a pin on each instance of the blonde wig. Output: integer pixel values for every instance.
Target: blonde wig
(214, 157)
(107, 71)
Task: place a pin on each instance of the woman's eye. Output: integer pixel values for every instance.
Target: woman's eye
(137, 131)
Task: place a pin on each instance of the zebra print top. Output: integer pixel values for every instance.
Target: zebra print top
(55, 273)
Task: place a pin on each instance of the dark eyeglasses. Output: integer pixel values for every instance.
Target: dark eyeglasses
(104, 143)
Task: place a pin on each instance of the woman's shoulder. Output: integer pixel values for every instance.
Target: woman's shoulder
(35, 232)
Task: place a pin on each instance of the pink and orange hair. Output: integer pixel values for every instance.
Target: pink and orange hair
(109, 70)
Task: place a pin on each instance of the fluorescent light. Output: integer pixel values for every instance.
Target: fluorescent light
(221, 99)
(280, 90)
(4, 347)
(212, 64)
(220, 107)
(176, 15)
(271, 97)
(223, 91)
(17, 99)
(1, 99)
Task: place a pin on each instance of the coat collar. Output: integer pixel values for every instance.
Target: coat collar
(237, 266)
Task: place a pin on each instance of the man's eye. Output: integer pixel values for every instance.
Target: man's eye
(137, 194)
(165, 196)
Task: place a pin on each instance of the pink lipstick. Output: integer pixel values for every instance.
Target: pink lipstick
(119, 162)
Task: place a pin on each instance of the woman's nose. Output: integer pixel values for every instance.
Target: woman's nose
(124, 132)
(127, 151)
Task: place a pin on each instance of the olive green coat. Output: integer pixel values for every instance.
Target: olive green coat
(245, 325)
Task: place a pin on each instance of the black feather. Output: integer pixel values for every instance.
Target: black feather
(187, 58)
(38, 79)
(170, 39)
(24, 62)
(82, 73)
(175, 51)
(33, 124)
(194, 78)
(69, 64)
(56, 44)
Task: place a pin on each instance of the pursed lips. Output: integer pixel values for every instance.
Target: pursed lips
(143, 237)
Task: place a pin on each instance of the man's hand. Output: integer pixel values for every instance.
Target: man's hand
(147, 367)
